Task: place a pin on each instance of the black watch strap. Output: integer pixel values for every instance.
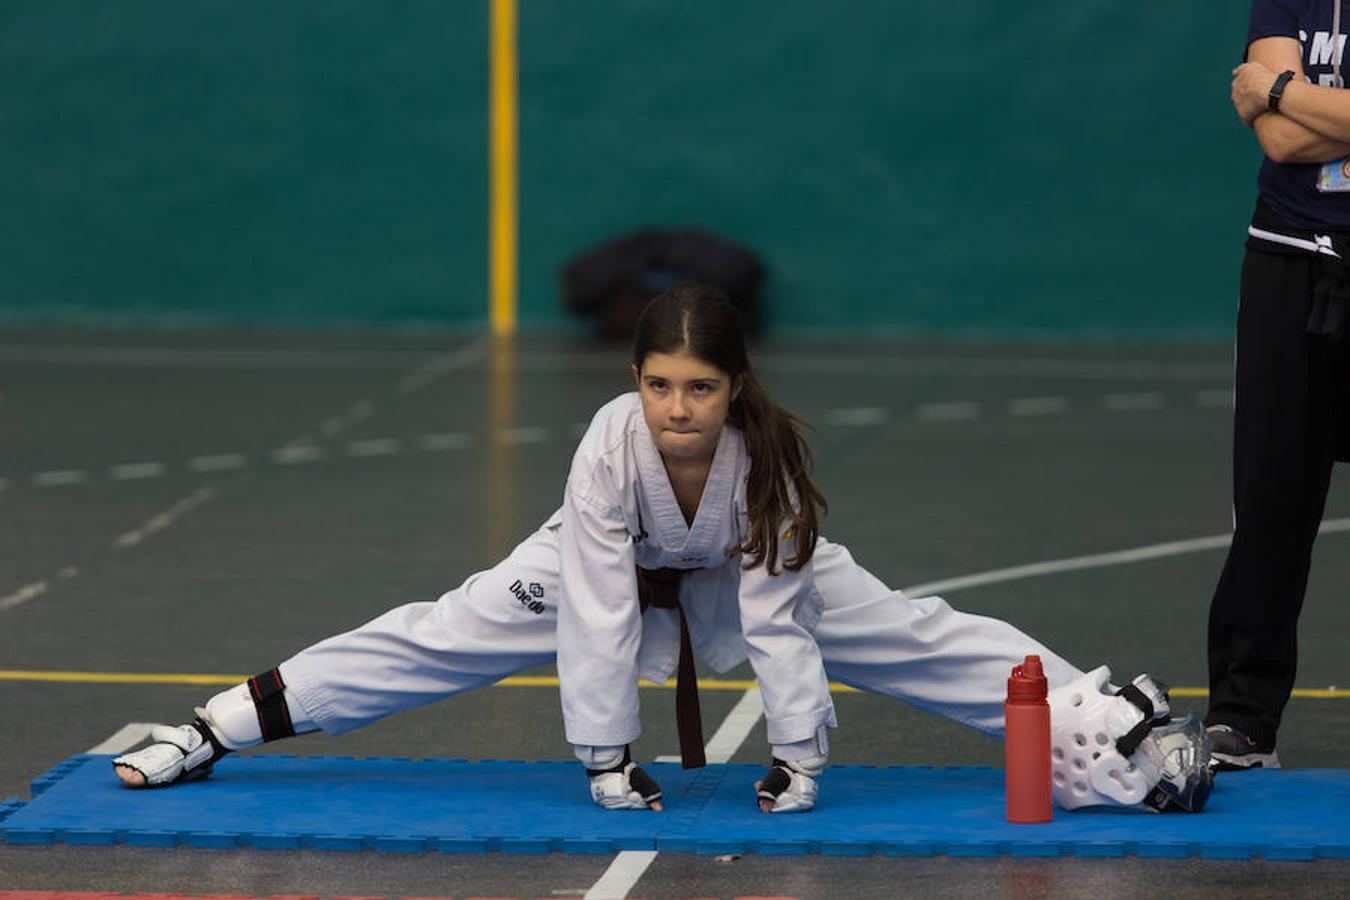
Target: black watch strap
(1277, 89)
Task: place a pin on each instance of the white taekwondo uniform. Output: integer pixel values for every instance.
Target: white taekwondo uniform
(569, 592)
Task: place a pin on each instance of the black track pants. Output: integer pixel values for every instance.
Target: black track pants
(1290, 403)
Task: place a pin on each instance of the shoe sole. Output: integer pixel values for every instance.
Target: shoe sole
(1226, 763)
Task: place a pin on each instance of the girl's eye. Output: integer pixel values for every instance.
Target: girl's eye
(703, 389)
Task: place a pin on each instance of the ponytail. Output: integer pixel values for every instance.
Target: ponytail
(779, 490)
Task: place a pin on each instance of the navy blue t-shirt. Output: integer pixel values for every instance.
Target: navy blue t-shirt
(1291, 188)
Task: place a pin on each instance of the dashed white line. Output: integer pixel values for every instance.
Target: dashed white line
(1038, 406)
(429, 372)
(859, 417)
(374, 447)
(523, 435)
(948, 412)
(162, 520)
(58, 478)
(23, 594)
(434, 442)
(1135, 401)
(131, 471)
(287, 456)
(220, 462)
(3, 484)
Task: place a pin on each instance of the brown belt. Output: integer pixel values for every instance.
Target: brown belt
(660, 588)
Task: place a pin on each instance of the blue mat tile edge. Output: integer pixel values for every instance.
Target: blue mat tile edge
(677, 843)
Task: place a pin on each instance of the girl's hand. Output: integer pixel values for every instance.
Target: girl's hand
(1251, 91)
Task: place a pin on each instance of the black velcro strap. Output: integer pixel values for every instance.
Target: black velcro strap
(617, 767)
(644, 784)
(1130, 741)
(269, 699)
(775, 782)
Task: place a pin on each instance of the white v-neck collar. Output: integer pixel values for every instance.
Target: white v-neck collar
(671, 529)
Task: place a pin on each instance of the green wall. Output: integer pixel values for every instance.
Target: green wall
(1055, 169)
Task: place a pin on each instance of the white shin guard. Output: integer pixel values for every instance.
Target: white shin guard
(233, 717)
(229, 721)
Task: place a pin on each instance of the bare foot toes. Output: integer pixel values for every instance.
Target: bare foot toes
(130, 776)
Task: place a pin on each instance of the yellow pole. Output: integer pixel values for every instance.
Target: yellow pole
(503, 151)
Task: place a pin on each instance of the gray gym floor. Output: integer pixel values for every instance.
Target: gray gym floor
(207, 504)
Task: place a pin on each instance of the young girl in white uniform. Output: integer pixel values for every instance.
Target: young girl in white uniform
(689, 522)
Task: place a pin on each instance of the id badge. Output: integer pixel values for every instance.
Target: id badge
(1335, 176)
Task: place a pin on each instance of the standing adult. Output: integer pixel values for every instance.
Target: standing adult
(1293, 366)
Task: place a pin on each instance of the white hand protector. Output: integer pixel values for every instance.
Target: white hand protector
(1120, 747)
(623, 785)
(179, 753)
(791, 786)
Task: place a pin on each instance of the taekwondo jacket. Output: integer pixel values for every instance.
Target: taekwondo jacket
(619, 511)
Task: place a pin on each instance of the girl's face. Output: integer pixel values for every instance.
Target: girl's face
(685, 401)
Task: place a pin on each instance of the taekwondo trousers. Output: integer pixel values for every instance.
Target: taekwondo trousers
(503, 620)
(1290, 411)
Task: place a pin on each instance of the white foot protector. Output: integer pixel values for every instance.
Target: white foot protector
(790, 787)
(178, 753)
(624, 785)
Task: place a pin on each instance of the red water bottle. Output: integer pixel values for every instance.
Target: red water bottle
(1027, 744)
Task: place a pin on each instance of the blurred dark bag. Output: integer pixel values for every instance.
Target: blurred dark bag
(613, 281)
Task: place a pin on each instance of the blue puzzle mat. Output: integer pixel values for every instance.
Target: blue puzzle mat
(401, 805)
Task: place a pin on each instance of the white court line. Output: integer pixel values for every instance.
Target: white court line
(23, 594)
(130, 471)
(733, 731)
(621, 875)
(1038, 406)
(58, 479)
(122, 740)
(1093, 561)
(781, 362)
(731, 734)
(202, 358)
(784, 363)
(434, 442)
(1137, 401)
(163, 520)
(956, 411)
(857, 417)
(291, 455)
(220, 462)
(429, 372)
(374, 447)
(527, 435)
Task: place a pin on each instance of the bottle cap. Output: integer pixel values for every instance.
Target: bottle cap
(1027, 682)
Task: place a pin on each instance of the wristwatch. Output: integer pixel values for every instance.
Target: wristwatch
(1277, 89)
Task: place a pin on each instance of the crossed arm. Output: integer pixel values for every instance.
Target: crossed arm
(1313, 123)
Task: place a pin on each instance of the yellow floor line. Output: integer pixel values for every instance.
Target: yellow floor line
(550, 681)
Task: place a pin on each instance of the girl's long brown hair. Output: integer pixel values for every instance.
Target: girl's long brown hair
(701, 321)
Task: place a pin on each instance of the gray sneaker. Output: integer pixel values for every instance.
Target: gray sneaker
(1232, 751)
